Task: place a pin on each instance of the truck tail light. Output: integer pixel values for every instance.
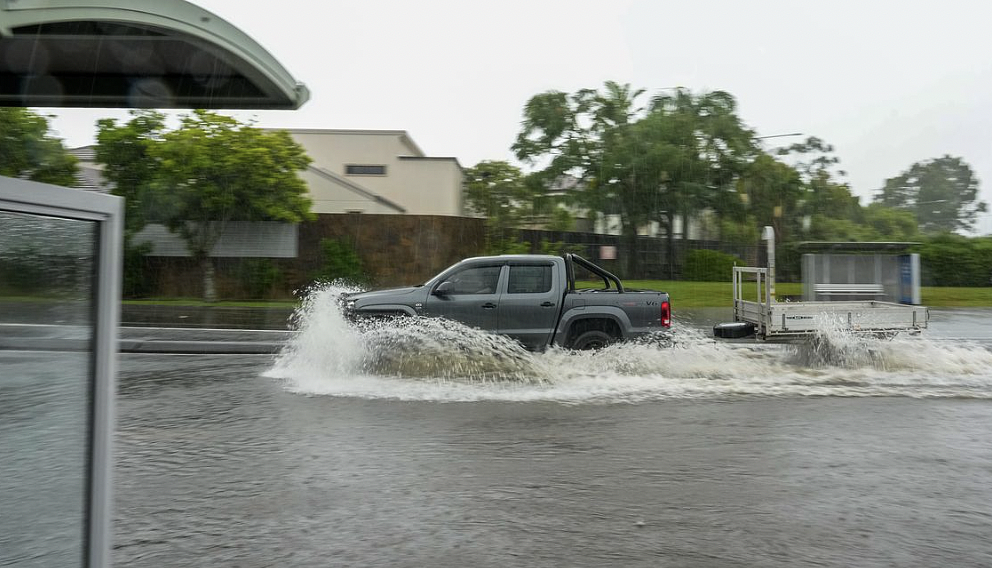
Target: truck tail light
(666, 314)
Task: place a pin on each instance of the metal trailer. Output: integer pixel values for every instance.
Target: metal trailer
(770, 320)
(786, 321)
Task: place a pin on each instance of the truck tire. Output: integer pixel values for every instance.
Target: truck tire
(592, 339)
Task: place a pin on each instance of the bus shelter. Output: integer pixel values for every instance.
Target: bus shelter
(841, 271)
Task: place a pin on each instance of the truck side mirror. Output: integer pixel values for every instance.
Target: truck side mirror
(444, 288)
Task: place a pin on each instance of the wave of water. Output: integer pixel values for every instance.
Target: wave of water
(438, 360)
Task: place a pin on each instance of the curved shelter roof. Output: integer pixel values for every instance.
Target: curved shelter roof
(855, 246)
(135, 53)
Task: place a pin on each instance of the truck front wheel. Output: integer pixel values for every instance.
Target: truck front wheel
(592, 339)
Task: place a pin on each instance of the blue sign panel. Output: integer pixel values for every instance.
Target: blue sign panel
(905, 279)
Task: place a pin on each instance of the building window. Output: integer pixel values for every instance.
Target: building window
(364, 170)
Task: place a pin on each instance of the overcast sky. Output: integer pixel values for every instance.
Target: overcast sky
(887, 83)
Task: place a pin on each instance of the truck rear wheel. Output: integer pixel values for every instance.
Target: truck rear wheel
(592, 339)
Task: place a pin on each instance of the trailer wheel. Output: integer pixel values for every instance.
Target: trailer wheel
(592, 339)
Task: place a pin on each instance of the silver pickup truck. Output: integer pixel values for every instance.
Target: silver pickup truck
(531, 298)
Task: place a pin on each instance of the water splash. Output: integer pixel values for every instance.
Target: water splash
(833, 345)
(437, 360)
(324, 340)
(440, 349)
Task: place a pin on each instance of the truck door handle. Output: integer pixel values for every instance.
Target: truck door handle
(488, 306)
(548, 305)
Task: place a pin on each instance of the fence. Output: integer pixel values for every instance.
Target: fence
(398, 250)
(653, 258)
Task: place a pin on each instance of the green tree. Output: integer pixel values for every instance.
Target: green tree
(28, 151)
(827, 228)
(580, 135)
(772, 192)
(643, 177)
(823, 193)
(214, 170)
(669, 160)
(827, 197)
(673, 158)
(891, 224)
(950, 259)
(339, 261)
(943, 193)
(703, 265)
(560, 220)
(813, 158)
(499, 192)
(125, 150)
(826, 202)
(715, 148)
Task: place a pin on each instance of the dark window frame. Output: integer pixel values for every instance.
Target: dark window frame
(548, 277)
(356, 170)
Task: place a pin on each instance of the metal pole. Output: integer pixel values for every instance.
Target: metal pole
(734, 273)
(769, 236)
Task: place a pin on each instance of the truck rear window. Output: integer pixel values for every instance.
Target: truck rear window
(530, 279)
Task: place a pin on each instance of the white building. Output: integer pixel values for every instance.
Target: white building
(89, 175)
(355, 171)
(378, 171)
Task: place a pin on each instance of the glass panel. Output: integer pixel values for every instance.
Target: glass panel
(478, 280)
(46, 374)
(529, 280)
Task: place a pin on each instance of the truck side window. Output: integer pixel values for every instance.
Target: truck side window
(475, 280)
(533, 279)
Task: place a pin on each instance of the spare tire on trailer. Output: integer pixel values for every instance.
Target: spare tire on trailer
(733, 330)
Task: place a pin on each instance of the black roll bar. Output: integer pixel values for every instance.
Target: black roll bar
(604, 274)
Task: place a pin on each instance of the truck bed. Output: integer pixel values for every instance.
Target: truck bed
(793, 320)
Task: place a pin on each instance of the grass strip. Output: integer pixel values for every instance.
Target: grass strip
(684, 295)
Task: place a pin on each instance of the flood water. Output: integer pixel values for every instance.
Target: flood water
(427, 444)
(219, 466)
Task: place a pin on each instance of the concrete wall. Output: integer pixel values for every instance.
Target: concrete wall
(395, 249)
